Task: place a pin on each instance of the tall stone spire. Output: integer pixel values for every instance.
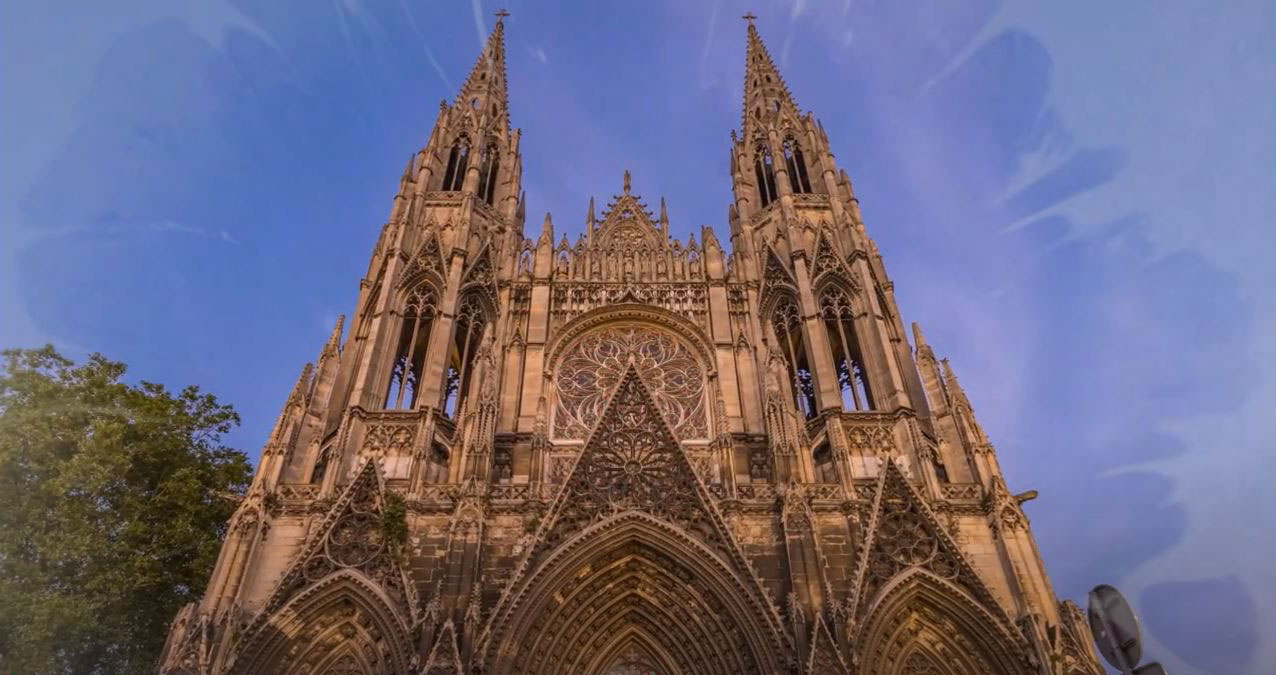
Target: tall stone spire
(484, 90)
(766, 97)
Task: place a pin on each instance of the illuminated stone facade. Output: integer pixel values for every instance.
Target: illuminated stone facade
(628, 454)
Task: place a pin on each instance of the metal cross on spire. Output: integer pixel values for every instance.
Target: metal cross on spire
(501, 14)
(749, 16)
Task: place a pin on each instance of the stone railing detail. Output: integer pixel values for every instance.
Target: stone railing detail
(756, 492)
(689, 300)
(518, 492)
(442, 196)
(869, 433)
(387, 438)
(810, 199)
(825, 491)
(963, 491)
(298, 491)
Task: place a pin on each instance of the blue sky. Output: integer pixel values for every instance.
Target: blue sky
(1076, 200)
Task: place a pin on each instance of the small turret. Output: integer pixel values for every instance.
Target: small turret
(590, 220)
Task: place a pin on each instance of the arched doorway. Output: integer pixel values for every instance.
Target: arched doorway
(634, 596)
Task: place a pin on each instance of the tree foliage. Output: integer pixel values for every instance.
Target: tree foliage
(113, 501)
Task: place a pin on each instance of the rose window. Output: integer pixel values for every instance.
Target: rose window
(590, 370)
(905, 539)
(355, 539)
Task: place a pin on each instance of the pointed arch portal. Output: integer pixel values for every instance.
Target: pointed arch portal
(924, 625)
(341, 625)
(629, 593)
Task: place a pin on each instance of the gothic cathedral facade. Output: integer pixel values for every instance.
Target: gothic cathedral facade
(630, 454)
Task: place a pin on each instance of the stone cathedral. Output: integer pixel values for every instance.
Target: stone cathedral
(628, 454)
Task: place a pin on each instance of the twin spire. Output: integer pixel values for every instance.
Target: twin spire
(765, 93)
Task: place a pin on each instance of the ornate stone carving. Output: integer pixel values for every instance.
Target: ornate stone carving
(387, 438)
(904, 534)
(869, 435)
(589, 371)
(348, 540)
(962, 491)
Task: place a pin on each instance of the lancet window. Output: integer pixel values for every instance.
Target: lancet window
(795, 163)
(419, 312)
(787, 322)
(848, 358)
(471, 319)
(822, 461)
(764, 167)
(458, 160)
(436, 470)
(321, 465)
(489, 163)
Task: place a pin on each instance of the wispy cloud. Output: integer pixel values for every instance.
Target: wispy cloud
(429, 55)
(479, 28)
(705, 79)
(539, 54)
(161, 226)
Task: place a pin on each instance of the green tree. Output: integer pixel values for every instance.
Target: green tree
(113, 501)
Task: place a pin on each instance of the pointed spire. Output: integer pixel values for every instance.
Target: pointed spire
(302, 388)
(484, 88)
(951, 383)
(590, 221)
(664, 217)
(764, 89)
(625, 182)
(949, 375)
(919, 340)
(334, 340)
(547, 231)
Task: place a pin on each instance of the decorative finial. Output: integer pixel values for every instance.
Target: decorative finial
(626, 181)
(501, 14)
(749, 16)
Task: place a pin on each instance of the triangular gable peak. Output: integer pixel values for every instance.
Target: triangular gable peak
(904, 534)
(613, 474)
(825, 658)
(428, 260)
(481, 273)
(632, 463)
(626, 222)
(827, 262)
(348, 537)
(445, 655)
(775, 274)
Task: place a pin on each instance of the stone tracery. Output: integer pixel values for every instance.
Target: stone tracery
(589, 371)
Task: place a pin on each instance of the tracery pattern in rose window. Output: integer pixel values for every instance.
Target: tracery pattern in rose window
(589, 372)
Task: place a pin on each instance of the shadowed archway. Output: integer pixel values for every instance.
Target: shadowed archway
(631, 585)
(921, 624)
(343, 624)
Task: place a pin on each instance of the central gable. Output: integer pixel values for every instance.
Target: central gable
(627, 223)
